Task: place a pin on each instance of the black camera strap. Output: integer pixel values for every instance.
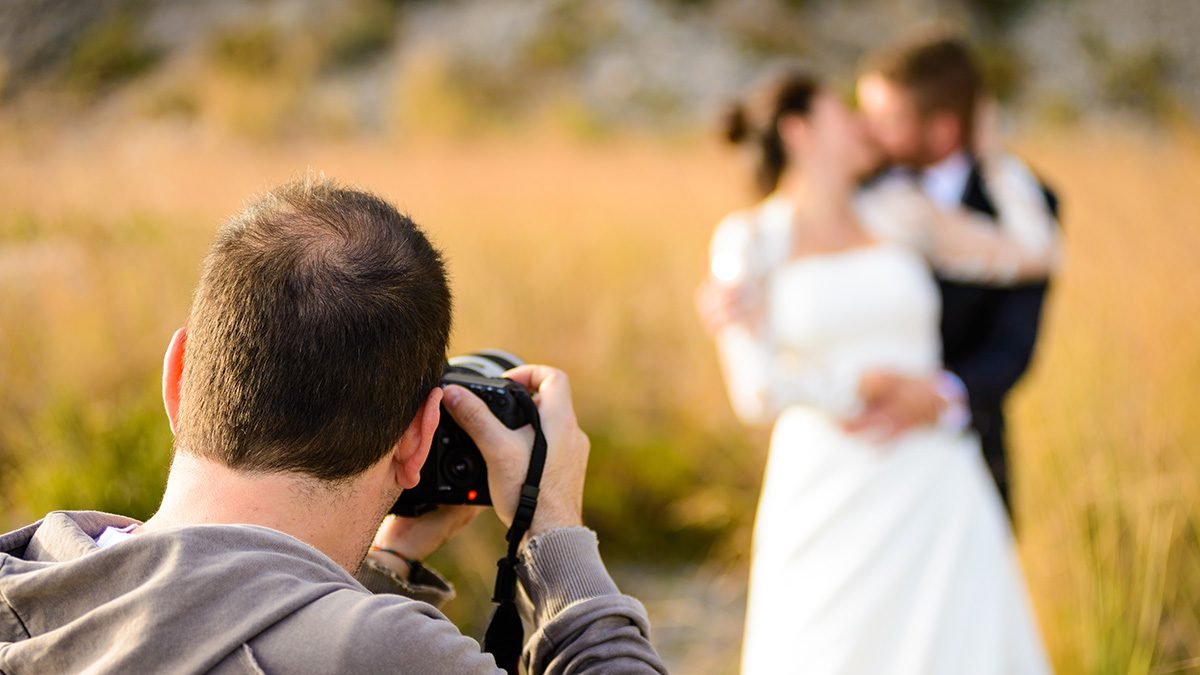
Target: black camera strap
(505, 635)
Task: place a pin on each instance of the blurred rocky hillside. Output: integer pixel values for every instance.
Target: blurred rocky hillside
(283, 66)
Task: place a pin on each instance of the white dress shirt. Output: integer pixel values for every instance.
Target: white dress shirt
(945, 182)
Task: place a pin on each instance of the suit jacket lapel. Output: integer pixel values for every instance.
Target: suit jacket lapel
(975, 196)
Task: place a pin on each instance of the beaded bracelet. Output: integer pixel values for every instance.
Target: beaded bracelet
(414, 566)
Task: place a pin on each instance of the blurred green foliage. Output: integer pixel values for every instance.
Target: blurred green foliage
(252, 50)
(109, 53)
(772, 32)
(1138, 81)
(1004, 70)
(1057, 110)
(361, 31)
(172, 102)
(567, 34)
(87, 453)
(998, 15)
(655, 496)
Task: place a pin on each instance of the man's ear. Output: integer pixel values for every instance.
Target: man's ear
(173, 375)
(413, 449)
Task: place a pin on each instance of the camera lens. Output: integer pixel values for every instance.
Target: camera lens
(460, 469)
(488, 362)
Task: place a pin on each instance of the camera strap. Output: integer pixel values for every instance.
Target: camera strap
(505, 635)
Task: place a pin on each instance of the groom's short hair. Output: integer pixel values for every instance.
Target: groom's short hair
(938, 69)
(318, 328)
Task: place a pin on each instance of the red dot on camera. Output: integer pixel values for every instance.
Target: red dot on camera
(471, 495)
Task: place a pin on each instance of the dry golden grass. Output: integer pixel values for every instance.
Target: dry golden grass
(585, 256)
(1106, 434)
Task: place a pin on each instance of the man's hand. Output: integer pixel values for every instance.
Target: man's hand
(507, 452)
(417, 538)
(894, 403)
(721, 303)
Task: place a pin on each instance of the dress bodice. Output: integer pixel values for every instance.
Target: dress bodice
(831, 317)
(827, 318)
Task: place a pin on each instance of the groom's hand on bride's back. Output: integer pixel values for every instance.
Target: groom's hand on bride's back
(894, 403)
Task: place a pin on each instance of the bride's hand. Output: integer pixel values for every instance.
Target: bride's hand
(720, 304)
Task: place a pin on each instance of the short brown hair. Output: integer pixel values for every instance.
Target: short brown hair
(319, 326)
(940, 72)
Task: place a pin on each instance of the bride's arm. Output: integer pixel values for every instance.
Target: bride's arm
(729, 304)
(745, 358)
(761, 379)
(964, 247)
(1023, 245)
(961, 245)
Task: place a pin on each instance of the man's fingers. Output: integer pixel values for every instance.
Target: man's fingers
(473, 415)
(532, 376)
(550, 384)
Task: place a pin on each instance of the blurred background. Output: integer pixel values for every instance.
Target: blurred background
(562, 154)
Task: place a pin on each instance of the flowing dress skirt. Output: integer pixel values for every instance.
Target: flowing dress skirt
(878, 559)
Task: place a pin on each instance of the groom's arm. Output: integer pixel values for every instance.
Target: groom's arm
(990, 370)
(993, 367)
(895, 403)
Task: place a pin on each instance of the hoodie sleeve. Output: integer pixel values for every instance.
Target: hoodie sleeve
(581, 621)
(578, 621)
(425, 585)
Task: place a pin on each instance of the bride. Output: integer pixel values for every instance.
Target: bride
(871, 554)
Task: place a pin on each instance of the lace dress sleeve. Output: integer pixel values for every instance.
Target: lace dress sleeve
(1023, 245)
(761, 377)
(741, 346)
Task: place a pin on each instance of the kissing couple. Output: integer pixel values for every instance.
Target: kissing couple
(876, 306)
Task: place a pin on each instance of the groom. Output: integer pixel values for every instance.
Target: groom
(920, 99)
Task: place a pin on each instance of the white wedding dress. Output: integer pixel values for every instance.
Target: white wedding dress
(868, 557)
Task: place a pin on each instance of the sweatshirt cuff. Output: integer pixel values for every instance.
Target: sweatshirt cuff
(424, 585)
(955, 416)
(561, 567)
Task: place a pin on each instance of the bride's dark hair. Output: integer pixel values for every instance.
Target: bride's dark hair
(754, 121)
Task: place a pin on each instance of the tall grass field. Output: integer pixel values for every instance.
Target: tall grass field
(585, 255)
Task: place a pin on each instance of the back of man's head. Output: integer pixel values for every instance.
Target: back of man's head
(319, 326)
(938, 70)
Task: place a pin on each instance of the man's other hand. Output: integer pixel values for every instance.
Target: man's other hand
(507, 451)
(894, 403)
(417, 538)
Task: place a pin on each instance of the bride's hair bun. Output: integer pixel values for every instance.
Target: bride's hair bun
(735, 123)
(754, 120)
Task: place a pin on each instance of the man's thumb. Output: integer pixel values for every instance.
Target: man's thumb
(475, 418)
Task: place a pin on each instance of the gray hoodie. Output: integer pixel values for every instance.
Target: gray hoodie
(248, 599)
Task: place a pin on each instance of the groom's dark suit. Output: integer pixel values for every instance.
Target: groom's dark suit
(988, 335)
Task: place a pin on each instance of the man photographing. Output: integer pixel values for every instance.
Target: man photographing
(303, 397)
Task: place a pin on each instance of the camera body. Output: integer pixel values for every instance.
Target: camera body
(455, 472)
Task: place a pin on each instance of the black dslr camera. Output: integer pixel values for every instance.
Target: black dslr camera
(454, 472)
